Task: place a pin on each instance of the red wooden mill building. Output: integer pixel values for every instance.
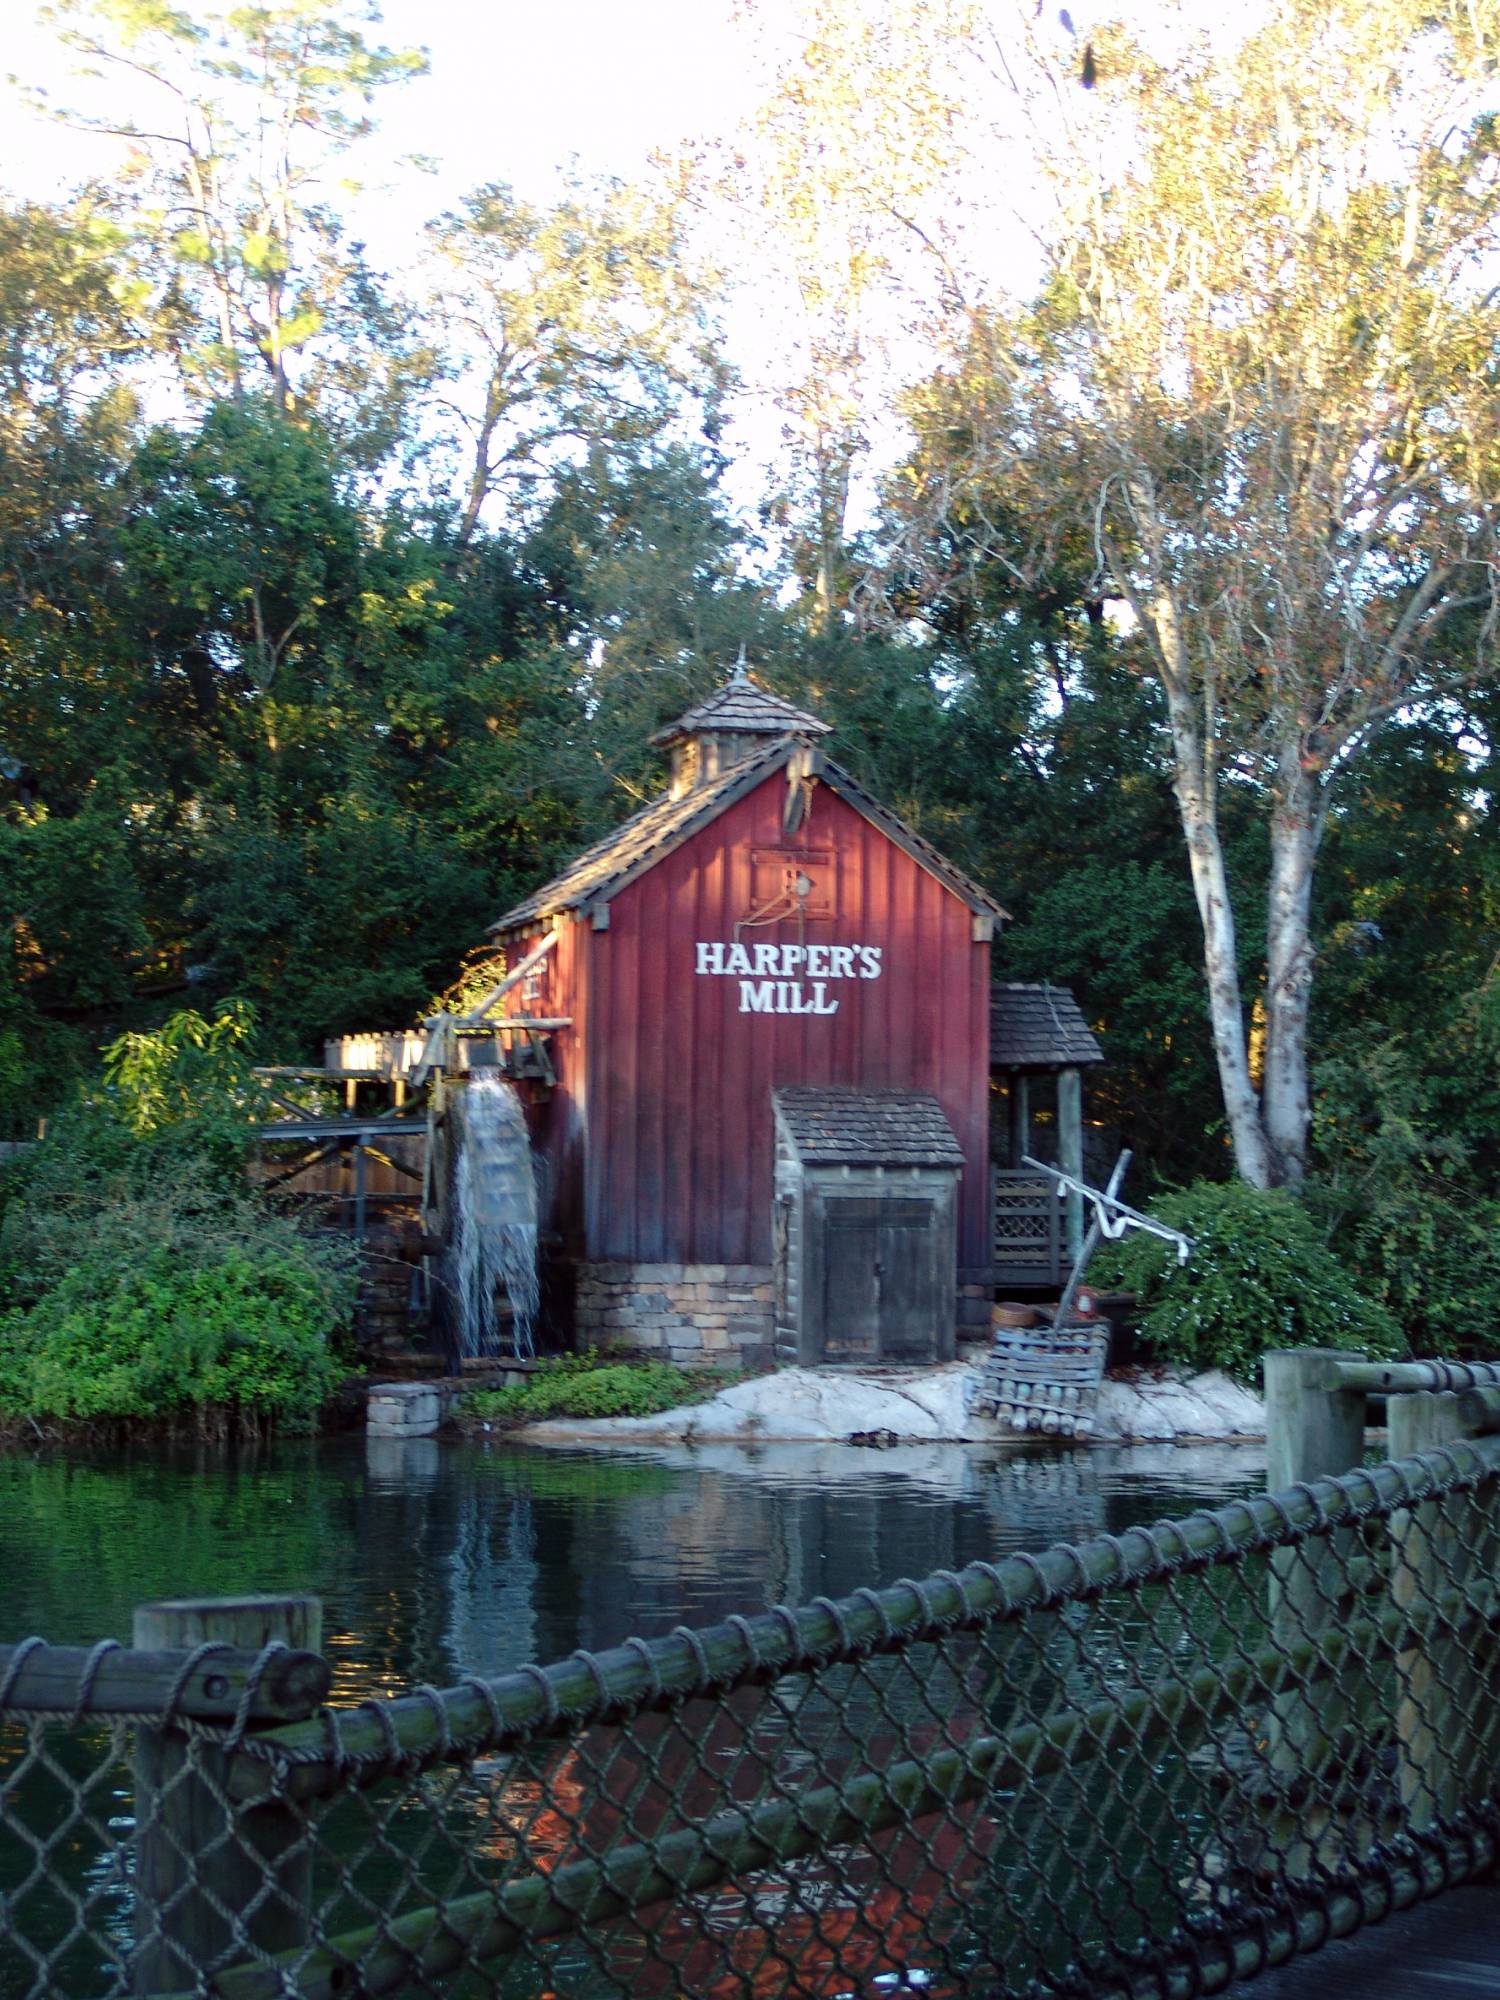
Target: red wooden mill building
(768, 1133)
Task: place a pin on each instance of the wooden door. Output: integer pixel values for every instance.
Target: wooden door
(907, 1275)
(851, 1278)
(881, 1292)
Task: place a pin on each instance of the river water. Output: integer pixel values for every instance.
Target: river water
(438, 1558)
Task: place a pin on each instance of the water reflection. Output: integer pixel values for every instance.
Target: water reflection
(439, 1558)
(435, 1558)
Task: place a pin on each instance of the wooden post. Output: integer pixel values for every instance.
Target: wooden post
(1314, 1428)
(197, 1853)
(1070, 1151)
(1020, 1118)
(361, 1175)
(1443, 1705)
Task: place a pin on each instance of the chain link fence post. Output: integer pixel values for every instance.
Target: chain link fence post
(216, 1881)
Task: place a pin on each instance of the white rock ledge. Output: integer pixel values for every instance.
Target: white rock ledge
(928, 1404)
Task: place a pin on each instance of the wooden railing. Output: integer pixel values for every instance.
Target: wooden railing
(1026, 1227)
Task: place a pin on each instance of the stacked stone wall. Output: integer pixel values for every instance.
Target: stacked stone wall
(697, 1315)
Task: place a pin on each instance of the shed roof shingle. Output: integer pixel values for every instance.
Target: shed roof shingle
(1038, 1027)
(834, 1126)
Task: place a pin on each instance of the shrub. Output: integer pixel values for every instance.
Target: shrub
(145, 1279)
(1406, 1189)
(1259, 1277)
(588, 1385)
(239, 1337)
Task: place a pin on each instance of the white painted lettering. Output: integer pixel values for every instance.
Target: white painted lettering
(787, 978)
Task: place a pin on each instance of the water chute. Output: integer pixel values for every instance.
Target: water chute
(493, 1218)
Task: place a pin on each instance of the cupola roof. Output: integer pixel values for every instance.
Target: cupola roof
(741, 707)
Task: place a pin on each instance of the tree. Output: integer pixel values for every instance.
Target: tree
(575, 326)
(832, 185)
(241, 112)
(1261, 376)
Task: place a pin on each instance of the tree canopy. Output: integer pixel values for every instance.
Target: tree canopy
(338, 604)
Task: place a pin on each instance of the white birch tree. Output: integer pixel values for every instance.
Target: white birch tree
(1262, 375)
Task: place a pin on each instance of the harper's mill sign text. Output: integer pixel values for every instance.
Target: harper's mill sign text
(788, 978)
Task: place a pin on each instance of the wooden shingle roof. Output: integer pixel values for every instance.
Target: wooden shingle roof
(611, 864)
(1038, 1027)
(833, 1126)
(745, 709)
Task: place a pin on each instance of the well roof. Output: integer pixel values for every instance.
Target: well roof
(833, 1126)
(1038, 1027)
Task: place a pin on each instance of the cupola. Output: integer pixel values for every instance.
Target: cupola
(737, 720)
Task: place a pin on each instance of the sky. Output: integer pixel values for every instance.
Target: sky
(513, 89)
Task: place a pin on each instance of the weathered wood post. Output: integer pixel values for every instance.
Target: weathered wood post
(211, 1875)
(1442, 1705)
(1020, 1117)
(1315, 1427)
(1070, 1151)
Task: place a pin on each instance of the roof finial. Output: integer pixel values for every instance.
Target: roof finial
(740, 675)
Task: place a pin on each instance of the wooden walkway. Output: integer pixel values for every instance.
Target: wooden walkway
(1448, 1949)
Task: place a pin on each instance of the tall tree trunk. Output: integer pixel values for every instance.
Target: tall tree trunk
(1195, 785)
(1296, 825)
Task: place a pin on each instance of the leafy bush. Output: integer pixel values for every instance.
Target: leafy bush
(235, 1336)
(1259, 1277)
(144, 1279)
(1405, 1184)
(592, 1385)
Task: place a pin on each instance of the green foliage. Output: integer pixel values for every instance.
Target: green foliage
(1407, 1186)
(1259, 1277)
(145, 1279)
(185, 1071)
(594, 1385)
(235, 1337)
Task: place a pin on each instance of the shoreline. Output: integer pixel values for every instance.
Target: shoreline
(921, 1406)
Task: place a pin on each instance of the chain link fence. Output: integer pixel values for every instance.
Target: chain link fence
(1143, 1765)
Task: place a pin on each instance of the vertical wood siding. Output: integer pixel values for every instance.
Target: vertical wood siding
(558, 1117)
(677, 1082)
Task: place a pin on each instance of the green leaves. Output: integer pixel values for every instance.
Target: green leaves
(594, 1385)
(238, 1335)
(1259, 1277)
(189, 1069)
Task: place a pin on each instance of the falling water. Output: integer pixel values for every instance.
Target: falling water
(494, 1217)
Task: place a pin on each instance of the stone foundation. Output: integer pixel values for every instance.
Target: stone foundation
(698, 1315)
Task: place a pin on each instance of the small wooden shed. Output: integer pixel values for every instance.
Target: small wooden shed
(866, 1232)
